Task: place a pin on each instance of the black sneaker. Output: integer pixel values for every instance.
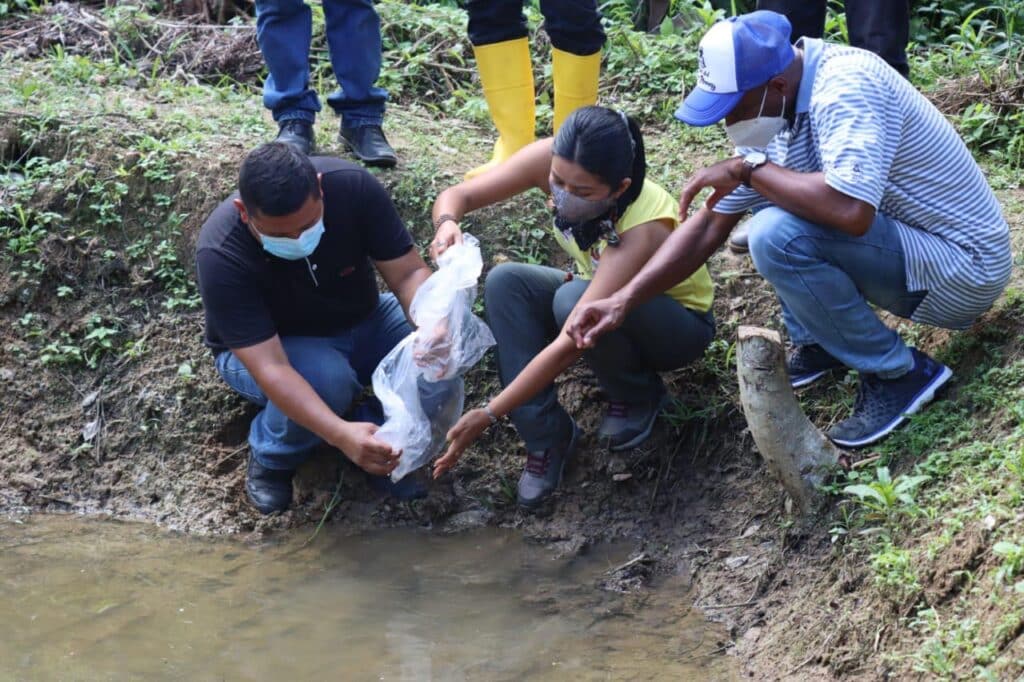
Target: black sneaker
(297, 133)
(369, 145)
(544, 471)
(269, 490)
(883, 404)
(807, 364)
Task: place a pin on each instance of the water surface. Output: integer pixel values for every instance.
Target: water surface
(100, 600)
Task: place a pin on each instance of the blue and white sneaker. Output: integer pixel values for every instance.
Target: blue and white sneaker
(807, 364)
(883, 404)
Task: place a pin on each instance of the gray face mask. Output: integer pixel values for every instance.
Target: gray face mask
(571, 209)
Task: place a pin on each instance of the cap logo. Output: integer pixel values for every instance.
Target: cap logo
(703, 73)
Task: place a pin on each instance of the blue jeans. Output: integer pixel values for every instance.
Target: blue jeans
(337, 367)
(825, 281)
(284, 30)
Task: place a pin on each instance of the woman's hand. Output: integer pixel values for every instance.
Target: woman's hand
(448, 233)
(460, 437)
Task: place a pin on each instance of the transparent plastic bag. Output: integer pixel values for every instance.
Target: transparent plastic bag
(419, 383)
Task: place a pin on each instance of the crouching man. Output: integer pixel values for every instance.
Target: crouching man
(293, 314)
(863, 194)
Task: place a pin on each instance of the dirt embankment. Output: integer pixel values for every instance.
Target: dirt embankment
(109, 403)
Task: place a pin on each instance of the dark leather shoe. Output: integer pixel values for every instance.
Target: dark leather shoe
(269, 490)
(297, 133)
(369, 145)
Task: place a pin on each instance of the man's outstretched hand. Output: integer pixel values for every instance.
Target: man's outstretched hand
(723, 177)
(591, 320)
(367, 452)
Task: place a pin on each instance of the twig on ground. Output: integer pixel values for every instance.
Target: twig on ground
(335, 499)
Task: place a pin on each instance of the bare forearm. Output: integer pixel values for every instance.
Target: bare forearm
(538, 374)
(408, 287)
(808, 196)
(293, 395)
(451, 203)
(685, 250)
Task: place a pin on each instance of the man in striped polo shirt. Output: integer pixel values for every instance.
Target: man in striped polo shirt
(863, 194)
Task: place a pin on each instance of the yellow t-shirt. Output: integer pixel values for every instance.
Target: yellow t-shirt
(654, 203)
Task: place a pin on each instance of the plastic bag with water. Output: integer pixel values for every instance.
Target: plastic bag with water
(419, 383)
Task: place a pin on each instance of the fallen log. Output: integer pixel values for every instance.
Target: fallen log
(796, 452)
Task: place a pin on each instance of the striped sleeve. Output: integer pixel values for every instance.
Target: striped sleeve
(857, 126)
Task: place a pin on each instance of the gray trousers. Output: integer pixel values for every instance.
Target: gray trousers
(526, 308)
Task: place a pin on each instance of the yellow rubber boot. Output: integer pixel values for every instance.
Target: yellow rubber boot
(507, 78)
(576, 80)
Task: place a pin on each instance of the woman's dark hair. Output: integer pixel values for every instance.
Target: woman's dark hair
(276, 179)
(609, 145)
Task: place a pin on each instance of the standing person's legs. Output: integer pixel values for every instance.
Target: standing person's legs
(283, 31)
(518, 300)
(806, 16)
(497, 31)
(353, 36)
(825, 280)
(658, 336)
(577, 37)
(883, 27)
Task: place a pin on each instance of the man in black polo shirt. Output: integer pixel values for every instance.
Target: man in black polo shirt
(293, 314)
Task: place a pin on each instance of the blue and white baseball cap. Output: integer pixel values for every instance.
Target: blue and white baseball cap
(736, 55)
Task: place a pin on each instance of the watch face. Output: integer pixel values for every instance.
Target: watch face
(756, 158)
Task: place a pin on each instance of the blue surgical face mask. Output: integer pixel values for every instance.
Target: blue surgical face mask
(295, 249)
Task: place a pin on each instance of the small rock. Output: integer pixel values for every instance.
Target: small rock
(90, 430)
(467, 520)
(990, 522)
(618, 478)
(6, 373)
(88, 400)
(751, 529)
(616, 465)
(734, 562)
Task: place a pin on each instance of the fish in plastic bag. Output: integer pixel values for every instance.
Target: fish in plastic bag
(419, 383)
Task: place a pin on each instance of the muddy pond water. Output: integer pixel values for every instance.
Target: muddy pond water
(101, 600)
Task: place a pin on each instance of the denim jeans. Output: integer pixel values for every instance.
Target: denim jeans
(337, 367)
(881, 26)
(825, 281)
(284, 31)
(573, 25)
(527, 305)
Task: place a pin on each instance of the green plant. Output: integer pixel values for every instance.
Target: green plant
(1013, 561)
(886, 497)
(894, 571)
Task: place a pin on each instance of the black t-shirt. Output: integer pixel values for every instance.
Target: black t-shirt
(250, 295)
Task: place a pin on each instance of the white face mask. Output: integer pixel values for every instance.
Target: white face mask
(756, 133)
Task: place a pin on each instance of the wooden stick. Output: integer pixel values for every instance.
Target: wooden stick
(795, 450)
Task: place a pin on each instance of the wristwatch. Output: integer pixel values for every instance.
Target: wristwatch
(751, 161)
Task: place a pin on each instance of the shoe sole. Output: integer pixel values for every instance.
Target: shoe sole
(646, 433)
(809, 379)
(533, 504)
(923, 397)
(737, 249)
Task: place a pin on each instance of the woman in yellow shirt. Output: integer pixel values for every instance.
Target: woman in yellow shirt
(611, 220)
